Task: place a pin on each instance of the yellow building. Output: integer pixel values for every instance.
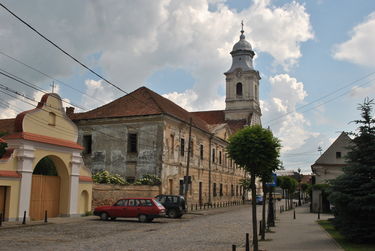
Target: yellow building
(42, 169)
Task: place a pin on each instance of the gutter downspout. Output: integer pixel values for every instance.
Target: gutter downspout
(209, 169)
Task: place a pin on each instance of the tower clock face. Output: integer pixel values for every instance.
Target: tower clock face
(238, 74)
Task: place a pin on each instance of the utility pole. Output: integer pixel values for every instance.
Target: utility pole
(186, 178)
(209, 170)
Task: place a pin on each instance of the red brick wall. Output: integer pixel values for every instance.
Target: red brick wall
(105, 194)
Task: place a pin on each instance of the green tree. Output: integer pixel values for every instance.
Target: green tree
(353, 193)
(284, 183)
(304, 188)
(254, 149)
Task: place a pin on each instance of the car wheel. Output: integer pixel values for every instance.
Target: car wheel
(104, 216)
(173, 213)
(113, 218)
(142, 218)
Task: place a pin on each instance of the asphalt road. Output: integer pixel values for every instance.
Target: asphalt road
(216, 229)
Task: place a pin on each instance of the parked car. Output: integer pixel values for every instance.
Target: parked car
(174, 204)
(259, 199)
(145, 209)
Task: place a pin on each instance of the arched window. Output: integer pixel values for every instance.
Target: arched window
(239, 89)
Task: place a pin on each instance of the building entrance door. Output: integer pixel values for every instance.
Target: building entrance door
(45, 196)
(3, 193)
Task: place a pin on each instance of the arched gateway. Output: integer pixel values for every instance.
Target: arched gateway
(43, 169)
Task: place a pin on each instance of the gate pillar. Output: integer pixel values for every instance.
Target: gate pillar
(25, 158)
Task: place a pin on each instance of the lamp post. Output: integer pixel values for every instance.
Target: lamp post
(299, 186)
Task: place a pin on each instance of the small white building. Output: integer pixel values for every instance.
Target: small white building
(329, 166)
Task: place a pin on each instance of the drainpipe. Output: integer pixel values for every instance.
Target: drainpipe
(209, 169)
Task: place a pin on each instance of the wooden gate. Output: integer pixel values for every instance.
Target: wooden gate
(45, 196)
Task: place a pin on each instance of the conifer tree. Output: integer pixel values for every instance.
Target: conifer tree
(353, 193)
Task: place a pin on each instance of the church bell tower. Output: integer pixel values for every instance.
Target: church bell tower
(242, 85)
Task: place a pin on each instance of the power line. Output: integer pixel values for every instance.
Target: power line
(48, 76)
(328, 101)
(31, 85)
(62, 50)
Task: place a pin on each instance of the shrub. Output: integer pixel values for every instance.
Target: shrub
(148, 179)
(105, 177)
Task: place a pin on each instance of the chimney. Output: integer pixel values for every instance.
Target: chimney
(69, 111)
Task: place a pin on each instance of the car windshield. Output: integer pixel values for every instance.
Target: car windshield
(157, 203)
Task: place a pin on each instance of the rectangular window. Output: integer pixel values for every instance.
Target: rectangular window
(214, 190)
(221, 189)
(338, 155)
(132, 142)
(213, 155)
(182, 147)
(172, 144)
(236, 190)
(231, 190)
(87, 143)
(219, 157)
(201, 152)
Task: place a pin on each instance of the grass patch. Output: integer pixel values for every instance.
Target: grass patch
(344, 243)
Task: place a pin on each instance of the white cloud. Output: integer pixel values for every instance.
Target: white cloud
(98, 94)
(279, 30)
(184, 99)
(128, 49)
(287, 124)
(360, 91)
(359, 49)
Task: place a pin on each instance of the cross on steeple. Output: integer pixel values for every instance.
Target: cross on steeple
(53, 86)
(242, 31)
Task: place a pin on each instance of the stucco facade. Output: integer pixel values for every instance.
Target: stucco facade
(44, 132)
(329, 166)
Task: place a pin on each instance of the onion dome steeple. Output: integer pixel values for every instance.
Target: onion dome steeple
(242, 54)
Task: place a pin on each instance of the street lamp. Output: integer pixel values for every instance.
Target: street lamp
(299, 186)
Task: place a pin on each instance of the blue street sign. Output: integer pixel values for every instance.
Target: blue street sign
(274, 181)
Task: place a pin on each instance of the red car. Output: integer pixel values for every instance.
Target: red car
(145, 209)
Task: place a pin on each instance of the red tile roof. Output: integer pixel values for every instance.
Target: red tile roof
(7, 126)
(10, 174)
(141, 102)
(43, 139)
(218, 117)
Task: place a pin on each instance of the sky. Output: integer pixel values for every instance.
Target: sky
(315, 57)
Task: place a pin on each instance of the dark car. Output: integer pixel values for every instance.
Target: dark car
(174, 204)
(259, 199)
(145, 209)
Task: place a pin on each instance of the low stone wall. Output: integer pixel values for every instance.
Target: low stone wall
(105, 194)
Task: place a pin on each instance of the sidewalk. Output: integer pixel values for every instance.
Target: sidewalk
(303, 233)
(57, 220)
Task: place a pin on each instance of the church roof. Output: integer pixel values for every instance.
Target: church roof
(141, 102)
(218, 117)
(242, 45)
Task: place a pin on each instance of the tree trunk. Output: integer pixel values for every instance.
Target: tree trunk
(264, 211)
(291, 200)
(254, 211)
(286, 199)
